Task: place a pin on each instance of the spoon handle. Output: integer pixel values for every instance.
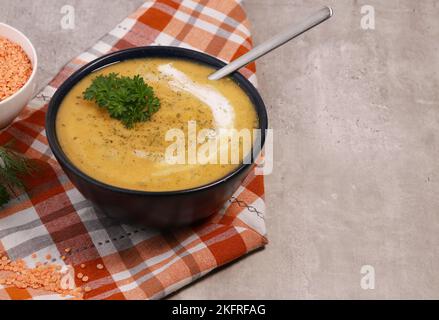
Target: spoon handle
(273, 43)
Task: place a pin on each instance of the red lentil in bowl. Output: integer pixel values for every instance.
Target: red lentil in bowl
(15, 68)
(18, 68)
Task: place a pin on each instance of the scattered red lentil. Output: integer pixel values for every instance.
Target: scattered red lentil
(34, 256)
(82, 265)
(85, 278)
(87, 289)
(43, 277)
(15, 68)
(67, 250)
(100, 266)
(80, 275)
(63, 257)
(48, 257)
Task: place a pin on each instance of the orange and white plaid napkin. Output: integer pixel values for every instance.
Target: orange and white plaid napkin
(139, 263)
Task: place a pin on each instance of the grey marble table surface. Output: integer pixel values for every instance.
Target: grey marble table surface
(355, 113)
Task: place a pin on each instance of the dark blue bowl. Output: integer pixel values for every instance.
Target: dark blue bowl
(154, 209)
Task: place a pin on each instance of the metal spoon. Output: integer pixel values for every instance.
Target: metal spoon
(273, 43)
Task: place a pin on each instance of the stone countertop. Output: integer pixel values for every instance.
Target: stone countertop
(355, 115)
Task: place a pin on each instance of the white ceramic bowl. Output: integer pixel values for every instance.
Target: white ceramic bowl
(13, 105)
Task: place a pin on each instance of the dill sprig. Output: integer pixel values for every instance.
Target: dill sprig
(13, 166)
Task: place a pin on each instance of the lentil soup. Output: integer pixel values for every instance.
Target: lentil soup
(104, 149)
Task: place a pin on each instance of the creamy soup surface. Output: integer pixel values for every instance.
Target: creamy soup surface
(132, 158)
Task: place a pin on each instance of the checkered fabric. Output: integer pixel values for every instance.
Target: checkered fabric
(139, 263)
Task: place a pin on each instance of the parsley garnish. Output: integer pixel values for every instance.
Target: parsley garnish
(129, 100)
